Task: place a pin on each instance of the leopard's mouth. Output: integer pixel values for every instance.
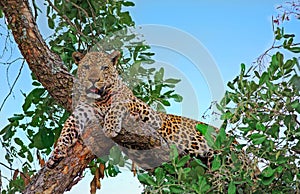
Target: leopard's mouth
(94, 92)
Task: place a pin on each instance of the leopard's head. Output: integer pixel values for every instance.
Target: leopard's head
(97, 73)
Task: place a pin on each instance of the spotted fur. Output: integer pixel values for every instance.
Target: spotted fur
(104, 97)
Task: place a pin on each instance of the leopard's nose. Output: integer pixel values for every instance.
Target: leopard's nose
(93, 79)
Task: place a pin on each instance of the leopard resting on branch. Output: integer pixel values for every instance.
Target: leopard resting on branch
(106, 99)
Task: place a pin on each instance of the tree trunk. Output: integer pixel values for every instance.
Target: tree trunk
(50, 71)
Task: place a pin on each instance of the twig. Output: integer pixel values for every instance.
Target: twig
(13, 85)
(7, 40)
(261, 57)
(9, 168)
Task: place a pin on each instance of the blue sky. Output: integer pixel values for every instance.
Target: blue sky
(232, 32)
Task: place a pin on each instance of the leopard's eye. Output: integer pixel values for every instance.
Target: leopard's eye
(104, 68)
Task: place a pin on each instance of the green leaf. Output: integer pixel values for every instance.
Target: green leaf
(243, 67)
(146, 179)
(273, 131)
(160, 108)
(126, 18)
(294, 49)
(289, 64)
(166, 103)
(174, 152)
(176, 189)
(231, 188)
(268, 172)
(295, 80)
(202, 128)
(172, 81)
(29, 157)
(202, 185)
(177, 97)
(7, 127)
(113, 170)
(8, 132)
(43, 139)
(33, 97)
(18, 141)
(115, 155)
(198, 162)
(183, 161)
(216, 163)
(158, 77)
(35, 83)
(267, 180)
(264, 77)
(260, 126)
(73, 37)
(220, 138)
(169, 168)
(57, 48)
(51, 23)
(257, 138)
(159, 175)
(231, 85)
(207, 131)
(16, 117)
(288, 35)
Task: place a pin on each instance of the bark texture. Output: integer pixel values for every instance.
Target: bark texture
(64, 176)
(50, 71)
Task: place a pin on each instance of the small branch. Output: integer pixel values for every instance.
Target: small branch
(7, 40)
(13, 85)
(9, 168)
(260, 59)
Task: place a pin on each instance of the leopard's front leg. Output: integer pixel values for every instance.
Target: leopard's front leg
(83, 115)
(69, 135)
(139, 111)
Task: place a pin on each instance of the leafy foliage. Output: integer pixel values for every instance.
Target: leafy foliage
(260, 110)
(176, 177)
(264, 108)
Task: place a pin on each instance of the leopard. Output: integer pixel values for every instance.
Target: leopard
(106, 98)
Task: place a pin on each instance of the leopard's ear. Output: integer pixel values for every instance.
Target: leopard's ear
(77, 56)
(114, 56)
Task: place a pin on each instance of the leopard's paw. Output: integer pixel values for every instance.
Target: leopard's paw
(110, 133)
(54, 161)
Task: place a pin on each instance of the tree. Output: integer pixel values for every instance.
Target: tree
(77, 26)
(259, 105)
